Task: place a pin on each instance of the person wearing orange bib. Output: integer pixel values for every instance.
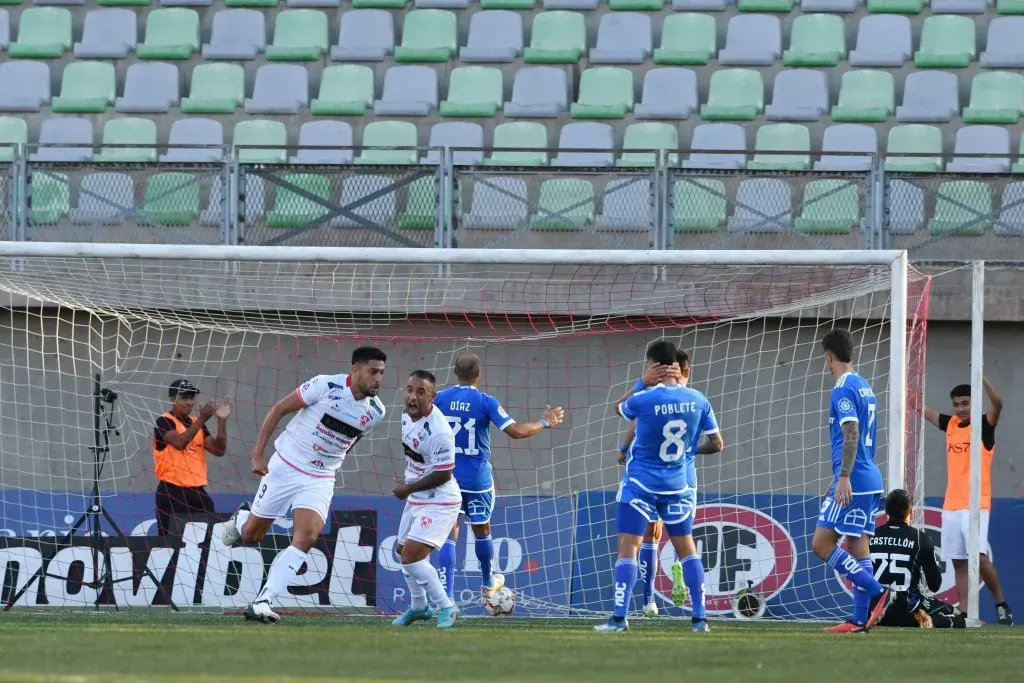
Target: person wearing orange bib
(957, 503)
(180, 444)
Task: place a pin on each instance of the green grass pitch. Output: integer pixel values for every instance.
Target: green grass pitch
(138, 647)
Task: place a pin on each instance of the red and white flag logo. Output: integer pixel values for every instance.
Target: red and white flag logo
(425, 521)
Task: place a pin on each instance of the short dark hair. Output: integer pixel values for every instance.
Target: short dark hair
(960, 390)
(364, 354)
(897, 505)
(683, 358)
(424, 375)
(467, 366)
(839, 343)
(662, 352)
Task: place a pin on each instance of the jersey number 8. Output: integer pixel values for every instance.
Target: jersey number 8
(673, 447)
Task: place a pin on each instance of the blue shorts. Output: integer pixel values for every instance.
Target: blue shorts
(478, 506)
(638, 508)
(856, 519)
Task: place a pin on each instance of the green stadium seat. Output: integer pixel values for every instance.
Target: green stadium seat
(13, 131)
(264, 4)
(780, 6)
(734, 95)
(50, 198)
(345, 90)
(43, 33)
(11, 2)
(428, 35)
(300, 35)
(698, 204)
(519, 134)
(784, 137)
(865, 95)
(558, 38)
(637, 5)
(421, 206)
(128, 131)
(896, 6)
(1010, 6)
(265, 141)
(947, 41)
(86, 88)
(508, 4)
(816, 40)
(473, 91)
(914, 138)
(389, 134)
(996, 97)
(291, 209)
(123, 3)
(687, 38)
(648, 136)
(831, 207)
(606, 92)
(171, 33)
(216, 89)
(564, 204)
(379, 4)
(1019, 166)
(170, 199)
(962, 208)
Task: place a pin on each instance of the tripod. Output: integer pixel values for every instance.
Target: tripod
(104, 407)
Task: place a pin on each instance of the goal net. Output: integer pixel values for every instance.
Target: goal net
(91, 336)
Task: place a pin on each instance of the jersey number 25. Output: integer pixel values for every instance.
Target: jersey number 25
(672, 446)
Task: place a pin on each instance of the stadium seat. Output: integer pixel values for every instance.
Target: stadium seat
(582, 5)
(734, 95)
(377, 211)
(577, 136)
(107, 34)
(380, 4)
(345, 90)
(428, 35)
(509, 136)
(408, 91)
(441, 4)
(334, 134)
(626, 205)
(1010, 221)
(170, 199)
(780, 6)
(882, 40)
(5, 29)
(43, 33)
(904, 207)
(64, 130)
(321, 4)
(264, 4)
(929, 96)
(752, 40)
(798, 95)
(13, 131)
(469, 136)
(959, 6)
(259, 141)
(24, 86)
(719, 137)
(420, 207)
(237, 34)
(1018, 166)
(700, 5)
(49, 198)
(698, 204)
(128, 131)
(206, 134)
(622, 38)
(494, 36)
(841, 6)
(867, 95)
(539, 92)
(508, 4)
(840, 140)
(896, 6)
(279, 89)
(1003, 48)
(781, 137)
(947, 41)
(498, 202)
(171, 33)
(384, 134)
(216, 89)
(669, 93)
(1010, 6)
(558, 37)
(364, 36)
(637, 5)
(104, 199)
(606, 92)
(86, 88)
(687, 38)
(648, 136)
(292, 209)
(149, 88)
(816, 40)
(186, 3)
(996, 97)
(830, 207)
(990, 140)
(914, 139)
(963, 208)
(564, 204)
(474, 91)
(300, 35)
(762, 205)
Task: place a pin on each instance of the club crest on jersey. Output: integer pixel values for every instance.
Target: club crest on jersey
(425, 521)
(364, 420)
(845, 405)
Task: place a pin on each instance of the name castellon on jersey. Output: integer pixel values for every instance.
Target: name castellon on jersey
(429, 445)
(318, 438)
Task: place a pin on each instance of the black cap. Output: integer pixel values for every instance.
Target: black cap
(182, 387)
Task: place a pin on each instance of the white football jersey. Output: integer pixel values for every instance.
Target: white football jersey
(429, 444)
(320, 435)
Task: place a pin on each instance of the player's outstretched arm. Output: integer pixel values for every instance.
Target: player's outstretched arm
(995, 401)
(218, 445)
(287, 405)
(552, 417)
(710, 444)
(915, 403)
(182, 440)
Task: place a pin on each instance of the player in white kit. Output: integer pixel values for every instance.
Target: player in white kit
(334, 412)
(432, 500)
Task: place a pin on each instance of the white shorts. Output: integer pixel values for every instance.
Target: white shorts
(956, 529)
(426, 523)
(284, 488)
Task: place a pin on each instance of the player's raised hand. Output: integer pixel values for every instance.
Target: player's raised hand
(259, 466)
(656, 374)
(554, 416)
(207, 410)
(224, 409)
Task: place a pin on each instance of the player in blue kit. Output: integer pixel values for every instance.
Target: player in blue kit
(471, 413)
(855, 495)
(660, 481)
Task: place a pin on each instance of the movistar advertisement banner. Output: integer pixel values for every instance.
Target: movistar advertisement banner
(557, 553)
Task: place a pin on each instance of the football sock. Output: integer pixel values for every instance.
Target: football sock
(485, 555)
(648, 568)
(240, 520)
(446, 566)
(425, 573)
(844, 563)
(284, 569)
(624, 580)
(861, 599)
(417, 592)
(693, 577)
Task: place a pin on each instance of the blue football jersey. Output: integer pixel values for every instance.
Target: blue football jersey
(471, 413)
(670, 419)
(853, 400)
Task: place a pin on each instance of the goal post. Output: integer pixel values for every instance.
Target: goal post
(91, 336)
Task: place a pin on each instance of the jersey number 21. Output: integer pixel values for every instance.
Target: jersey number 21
(470, 427)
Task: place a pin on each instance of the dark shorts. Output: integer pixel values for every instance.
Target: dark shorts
(172, 499)
(942, 614)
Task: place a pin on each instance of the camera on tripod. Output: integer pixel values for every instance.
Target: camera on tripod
(108, 396)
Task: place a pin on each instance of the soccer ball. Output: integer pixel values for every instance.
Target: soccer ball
(501, 602)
